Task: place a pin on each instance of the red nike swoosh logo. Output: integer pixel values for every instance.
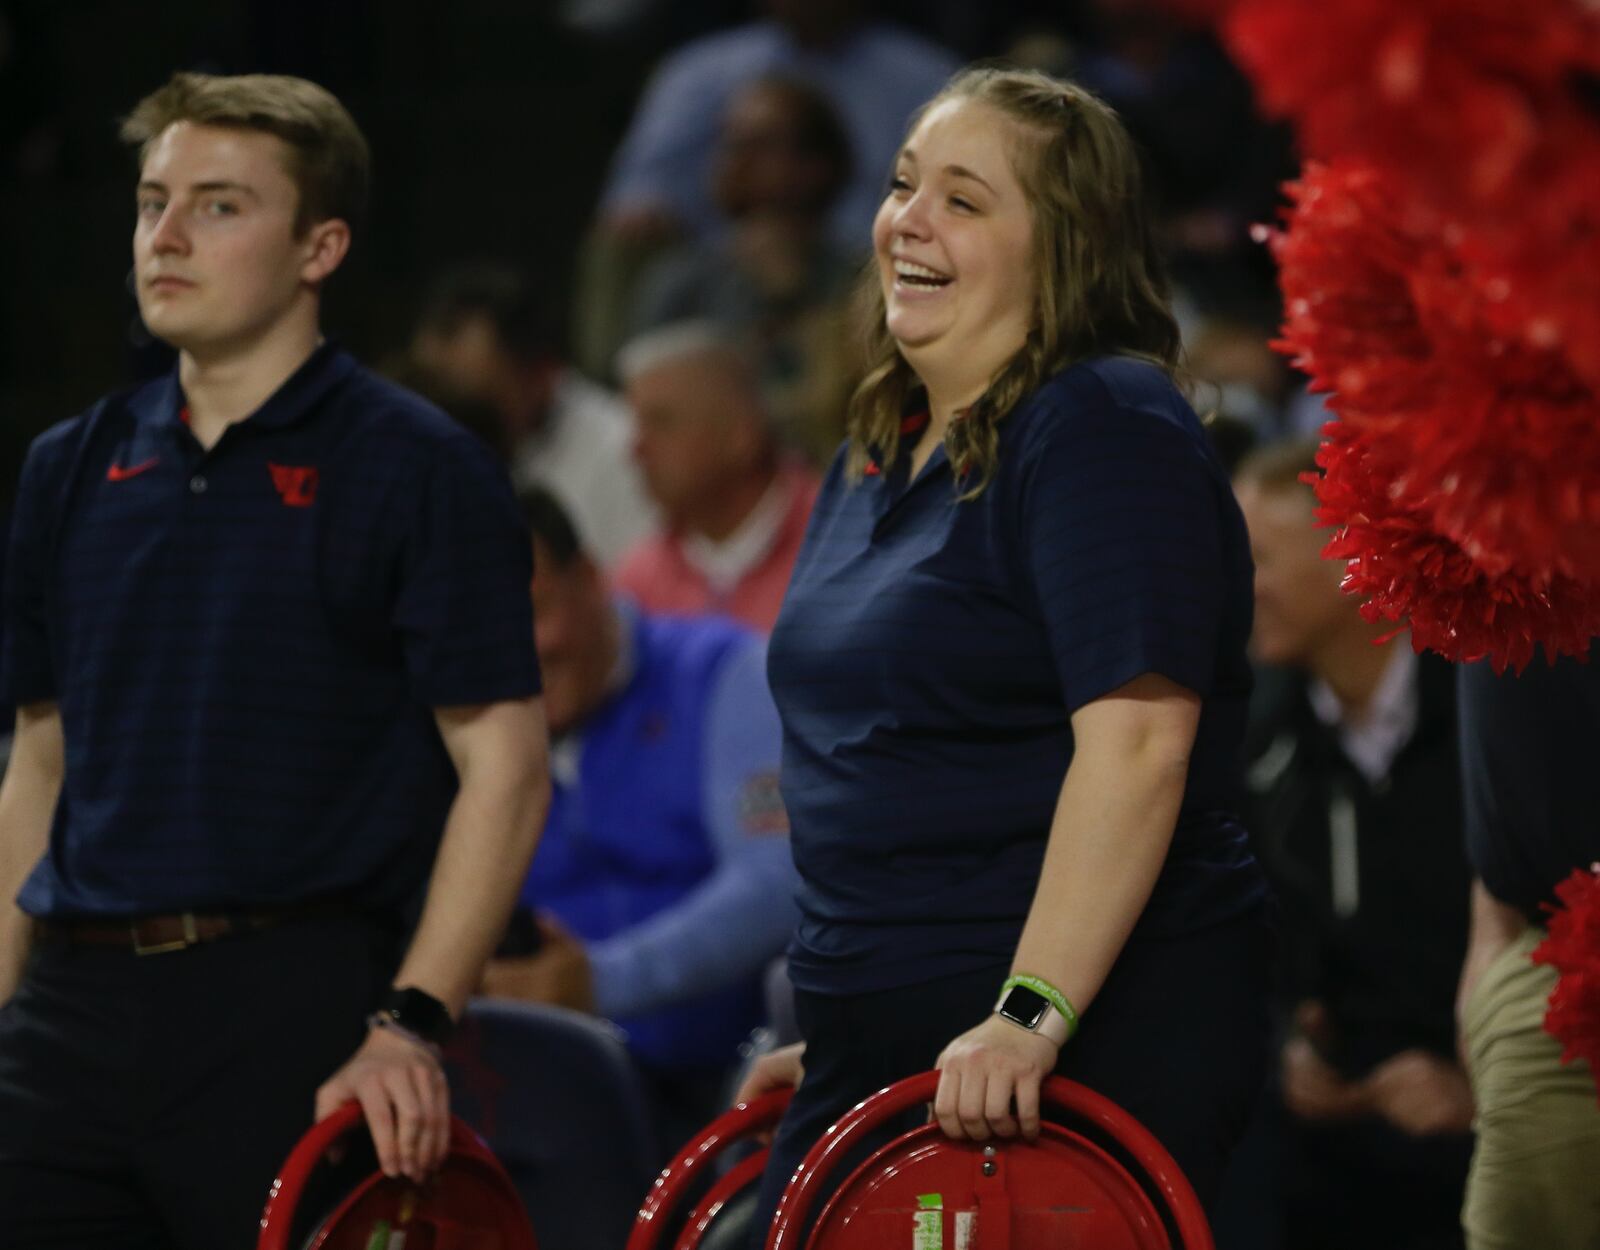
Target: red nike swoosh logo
(121, 473)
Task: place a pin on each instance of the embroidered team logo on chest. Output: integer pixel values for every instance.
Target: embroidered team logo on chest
(296, 484)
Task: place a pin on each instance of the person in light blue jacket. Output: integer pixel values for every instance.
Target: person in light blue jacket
(664, 886)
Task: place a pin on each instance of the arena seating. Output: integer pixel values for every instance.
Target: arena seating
(556, 1097)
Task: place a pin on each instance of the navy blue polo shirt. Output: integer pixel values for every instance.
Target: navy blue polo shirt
(246, 643)
(930, 653)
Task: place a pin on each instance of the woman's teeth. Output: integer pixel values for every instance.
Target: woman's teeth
(918, 275)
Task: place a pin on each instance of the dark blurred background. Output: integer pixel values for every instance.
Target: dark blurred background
(493, 123)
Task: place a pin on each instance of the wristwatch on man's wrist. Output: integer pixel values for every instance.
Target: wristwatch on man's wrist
(416, 1013)
(1031, 1010)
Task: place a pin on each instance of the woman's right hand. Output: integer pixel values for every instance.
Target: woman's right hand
(772, 1071)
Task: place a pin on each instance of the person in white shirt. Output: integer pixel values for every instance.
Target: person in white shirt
(482, 334)
(1355, 811)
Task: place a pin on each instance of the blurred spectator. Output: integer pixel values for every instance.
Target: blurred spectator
(875, 74)
(482, 335)
(1214, 162)
(660, 190)
(734, 510)
(1241, 376)
(1528, 749)
(479, 415)
(664, 874)
(782, 160)
(663, 22)
(1354, 801)
(1306, 412)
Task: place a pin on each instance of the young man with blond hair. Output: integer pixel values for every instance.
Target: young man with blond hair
(267, 628)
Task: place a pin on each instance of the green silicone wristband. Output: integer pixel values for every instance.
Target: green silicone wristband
(1045, 990)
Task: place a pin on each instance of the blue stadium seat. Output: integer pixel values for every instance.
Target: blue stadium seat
(557, 1098)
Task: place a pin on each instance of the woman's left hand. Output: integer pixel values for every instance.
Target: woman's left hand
(986, 1071)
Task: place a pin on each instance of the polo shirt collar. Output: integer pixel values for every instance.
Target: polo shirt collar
(895, 479)
(161, 402)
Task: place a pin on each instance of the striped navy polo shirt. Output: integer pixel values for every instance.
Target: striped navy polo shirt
(246, 643)
(930, 653)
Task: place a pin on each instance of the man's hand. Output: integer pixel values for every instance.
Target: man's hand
(1313, 1088)
(775, 1070)
(779, 1069)
(983, 1072)
(1421, 1093)
(557, 973)
(402, 1090)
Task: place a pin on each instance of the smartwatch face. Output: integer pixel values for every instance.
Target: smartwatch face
(1024, 1006)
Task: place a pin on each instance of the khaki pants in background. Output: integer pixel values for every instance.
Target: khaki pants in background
(1535, 1178)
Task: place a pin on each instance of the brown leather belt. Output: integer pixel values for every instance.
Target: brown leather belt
(156, 935)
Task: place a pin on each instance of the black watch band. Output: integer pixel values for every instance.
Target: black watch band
(418, 1012)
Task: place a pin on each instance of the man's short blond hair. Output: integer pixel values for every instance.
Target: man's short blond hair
(328, 156)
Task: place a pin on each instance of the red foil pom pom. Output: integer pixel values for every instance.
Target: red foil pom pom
(1573, 949)
(1464, 475)
(1473, 109)
(1409, 573)
(1458, 96)
(1438, 281)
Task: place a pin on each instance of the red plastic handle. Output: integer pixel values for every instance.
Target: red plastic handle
(309, 1151)
(744, 1173)
(290, 1184)
(809, 1183)
(676, 1178)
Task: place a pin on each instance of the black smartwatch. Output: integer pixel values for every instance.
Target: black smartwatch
(1031, 1010)
(416, 1012)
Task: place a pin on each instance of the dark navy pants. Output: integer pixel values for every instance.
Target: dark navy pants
(147, 1101)
(1178, 1037)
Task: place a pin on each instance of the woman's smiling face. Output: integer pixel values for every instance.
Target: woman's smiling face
(954, 243)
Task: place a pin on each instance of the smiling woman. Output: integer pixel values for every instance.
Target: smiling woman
(1014, 241)
(1011, 666)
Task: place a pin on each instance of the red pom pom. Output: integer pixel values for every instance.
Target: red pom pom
(1455, 95)
(1573, 949)
(1344, 262)
(1471, 108)
(1465, 475)
(1410, 573)
(1438, 282)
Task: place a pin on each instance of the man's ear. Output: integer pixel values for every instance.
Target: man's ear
(326, 244)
